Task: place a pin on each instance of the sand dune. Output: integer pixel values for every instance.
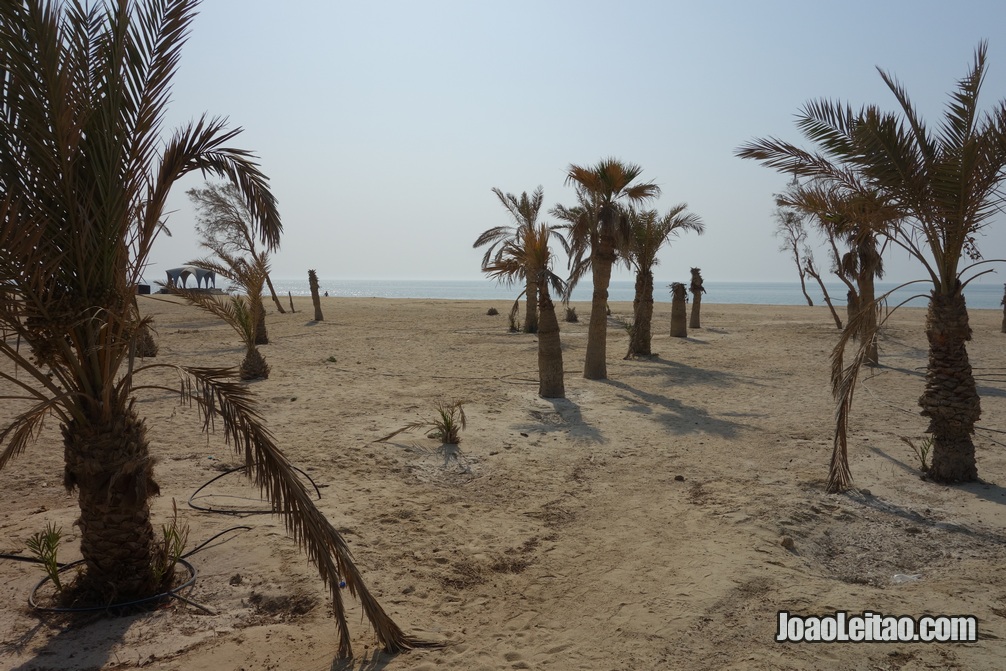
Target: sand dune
(659, 519)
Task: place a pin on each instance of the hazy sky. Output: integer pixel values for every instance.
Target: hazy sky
(384, 125)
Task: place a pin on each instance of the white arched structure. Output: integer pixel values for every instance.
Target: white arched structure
(179, 276)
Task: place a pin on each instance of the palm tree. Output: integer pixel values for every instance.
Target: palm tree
(242, 313)
(524, 212)
(529, 254)
(648, 233)
(596, 228)
(946, 187)
(84, 176)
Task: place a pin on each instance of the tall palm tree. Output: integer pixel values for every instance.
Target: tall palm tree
(946, 185)
(596, 228)
(84, 176)
(524, 212)
(529, 254)
(647, 235)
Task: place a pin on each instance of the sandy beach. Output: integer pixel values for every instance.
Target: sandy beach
(659, 519)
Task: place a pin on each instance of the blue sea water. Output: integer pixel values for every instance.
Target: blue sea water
(979, 296)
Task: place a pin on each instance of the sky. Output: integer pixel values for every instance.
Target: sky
(384, 125)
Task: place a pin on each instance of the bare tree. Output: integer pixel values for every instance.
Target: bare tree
(790, 228)
(225, 222)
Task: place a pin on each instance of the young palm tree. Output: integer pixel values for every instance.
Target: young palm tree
(530, 254)
(242, 313)
(946, 185)
(524, 212)
(648, 233)
(596, 228)
(84, 176)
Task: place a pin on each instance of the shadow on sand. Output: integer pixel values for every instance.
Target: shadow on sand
(81, 642)
(679, 418)
(566, 417)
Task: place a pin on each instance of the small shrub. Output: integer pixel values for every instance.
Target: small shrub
(45, 546)
(571, 315)
(492, 312)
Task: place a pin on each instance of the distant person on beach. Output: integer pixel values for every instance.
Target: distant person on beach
(326, 294)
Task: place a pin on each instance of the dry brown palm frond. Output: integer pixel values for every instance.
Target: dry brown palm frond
(270, 469)
(843, 386)
(22, 431)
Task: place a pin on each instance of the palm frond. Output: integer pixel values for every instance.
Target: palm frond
(22, 431)
(272, 472)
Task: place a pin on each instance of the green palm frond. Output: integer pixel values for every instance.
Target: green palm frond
(649, 232)
(524, 213)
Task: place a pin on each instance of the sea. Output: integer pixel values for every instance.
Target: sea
(978, 296)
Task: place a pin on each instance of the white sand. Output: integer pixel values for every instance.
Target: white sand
(564, 539)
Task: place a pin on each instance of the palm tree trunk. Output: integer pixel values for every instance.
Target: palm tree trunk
(261, 334)
(679, 311)
(868, 330)
(550, 382)
(531, 315)
(951, 399)
(642, 311)
(254, 367)
(852, 305)
(695, 321)
(109, 464)
(272, 292)
(595, 363)
(312, 278)
(1003, 327)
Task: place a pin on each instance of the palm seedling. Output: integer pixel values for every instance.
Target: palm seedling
(45, 546)
(445, 426)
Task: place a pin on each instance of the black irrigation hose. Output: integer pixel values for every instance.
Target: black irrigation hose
(235, 511)
(172, 593)
(32, 560)
(213, 538)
